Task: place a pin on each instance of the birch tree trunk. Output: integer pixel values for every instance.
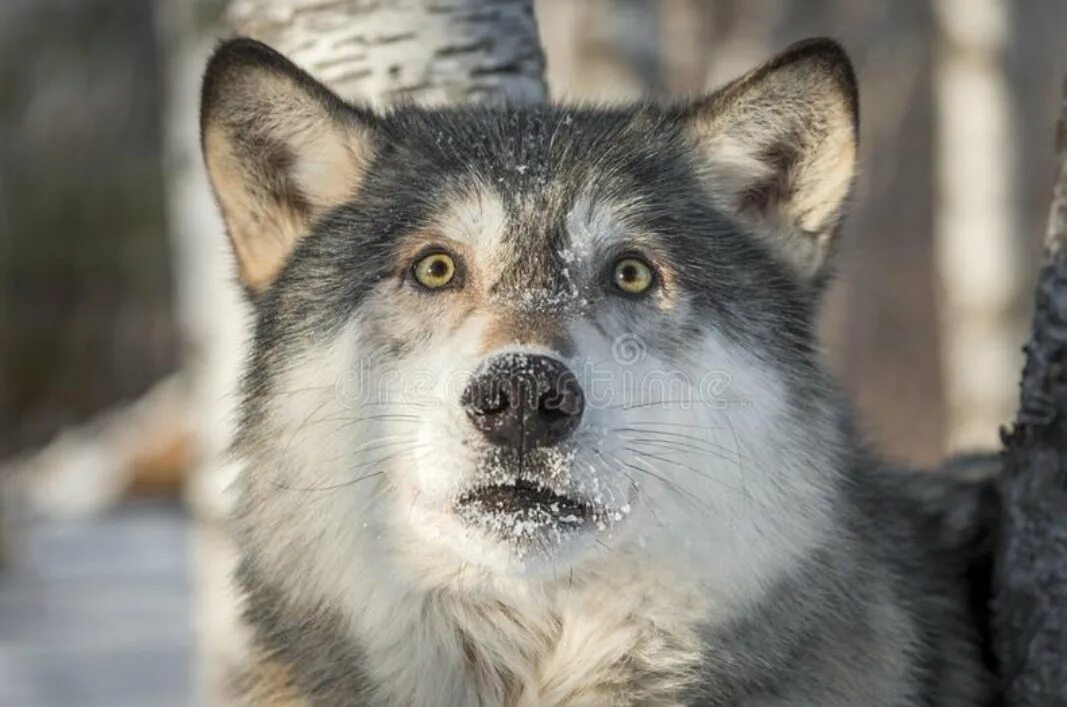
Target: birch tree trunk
(980, 259)
(1030, 610)
(377, 53)
(429, 51)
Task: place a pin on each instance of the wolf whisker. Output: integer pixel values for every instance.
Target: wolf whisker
(430, 404)
(680, 465)
(652, 472)
(666, 423)
(348, 423)
(720, 448)
(680, 447)
(661, 403)
(369, 418)
(302, 425)
(297, 391)
(607, 466)
(399, 448)
(352, 482)
(332, 487)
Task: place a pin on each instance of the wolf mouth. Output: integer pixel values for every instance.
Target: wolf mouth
(522, 508)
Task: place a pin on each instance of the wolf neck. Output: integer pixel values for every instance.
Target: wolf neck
(623, 632)
(627, 634)
(593, 642)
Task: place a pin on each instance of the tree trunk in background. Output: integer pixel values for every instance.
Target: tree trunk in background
(421, 50)
(428, 51)
(980, 257)
(601, 50)
(612, 50)
(85, 316)
(1030, 610)
(745, 33)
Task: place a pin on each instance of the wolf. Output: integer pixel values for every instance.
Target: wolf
(535, 412)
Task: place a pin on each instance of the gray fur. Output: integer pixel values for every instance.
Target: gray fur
(864, 598)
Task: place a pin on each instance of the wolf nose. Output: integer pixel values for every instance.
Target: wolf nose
(524, 401)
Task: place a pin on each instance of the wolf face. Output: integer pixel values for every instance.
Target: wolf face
(506, 352)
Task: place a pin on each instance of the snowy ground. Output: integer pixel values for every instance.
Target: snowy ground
(96, 613)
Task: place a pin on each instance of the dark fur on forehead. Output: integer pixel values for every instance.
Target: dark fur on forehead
(640, 161)
(398, 171)
(545, 157)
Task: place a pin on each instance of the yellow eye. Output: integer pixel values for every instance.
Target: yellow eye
(434, 271)
(632, 276)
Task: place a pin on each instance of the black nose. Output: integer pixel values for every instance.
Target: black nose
(524, 401)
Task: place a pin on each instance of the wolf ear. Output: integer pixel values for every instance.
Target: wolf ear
(778, 150)
(280, 150)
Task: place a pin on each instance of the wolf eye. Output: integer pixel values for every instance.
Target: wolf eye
(434, 271)
(632, 276)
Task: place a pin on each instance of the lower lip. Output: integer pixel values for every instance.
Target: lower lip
(522, 497)
(520, 519)
(523, 519)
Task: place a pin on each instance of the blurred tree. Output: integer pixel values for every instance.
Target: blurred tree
(981, 260)
(84, 300)
(604, 50)
(428, 52)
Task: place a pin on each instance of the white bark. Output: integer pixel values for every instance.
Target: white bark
(427, 51)
(979, 258)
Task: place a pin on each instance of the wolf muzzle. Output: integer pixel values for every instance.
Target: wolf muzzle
(524, 401)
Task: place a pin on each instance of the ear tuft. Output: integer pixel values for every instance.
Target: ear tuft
(280, 149)
(777, 148)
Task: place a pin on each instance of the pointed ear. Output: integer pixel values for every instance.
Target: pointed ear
(777, 148)
(280, 150)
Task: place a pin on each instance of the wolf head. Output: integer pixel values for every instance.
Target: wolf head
(504, 345)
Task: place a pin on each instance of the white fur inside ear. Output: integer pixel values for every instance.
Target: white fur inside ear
(826, 179)
(778, 150)
(327, 167)
(733, 166)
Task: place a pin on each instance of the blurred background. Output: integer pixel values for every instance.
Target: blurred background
(100, 307)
